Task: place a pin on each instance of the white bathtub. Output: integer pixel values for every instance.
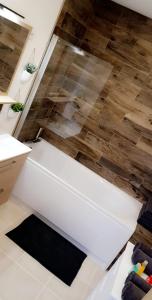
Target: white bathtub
(97, 215)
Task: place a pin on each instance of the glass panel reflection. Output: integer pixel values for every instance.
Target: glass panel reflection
(69, 93)
(72, 83)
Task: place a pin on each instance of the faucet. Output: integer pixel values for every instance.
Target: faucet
(37, 138)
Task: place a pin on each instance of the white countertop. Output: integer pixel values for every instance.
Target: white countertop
(10, 147)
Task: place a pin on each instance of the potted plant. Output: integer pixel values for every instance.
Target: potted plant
(28, 72)
(15, 109)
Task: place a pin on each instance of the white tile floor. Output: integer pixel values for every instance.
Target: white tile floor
(23, 278)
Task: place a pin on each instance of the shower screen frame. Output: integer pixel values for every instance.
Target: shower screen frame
(36, 84)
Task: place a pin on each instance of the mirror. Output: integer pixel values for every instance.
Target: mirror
(13, 36)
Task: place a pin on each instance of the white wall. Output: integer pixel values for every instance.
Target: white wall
(142, 6)
(42, 16)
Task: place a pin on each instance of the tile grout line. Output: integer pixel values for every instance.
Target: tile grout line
(21, 267)
(16, 223)
(44, 288)
(44, 285)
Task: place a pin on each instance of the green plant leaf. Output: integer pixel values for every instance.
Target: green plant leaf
(30, 68)
(17, 107)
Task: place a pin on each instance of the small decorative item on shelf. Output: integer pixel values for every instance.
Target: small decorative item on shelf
(28, 72)
(15, 109)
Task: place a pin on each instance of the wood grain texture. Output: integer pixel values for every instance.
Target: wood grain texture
(12, 41)
(122, 38)
(107, 92)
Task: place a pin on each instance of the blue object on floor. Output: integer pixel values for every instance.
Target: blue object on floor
(132, 292)
(139, 282)
(146, 249)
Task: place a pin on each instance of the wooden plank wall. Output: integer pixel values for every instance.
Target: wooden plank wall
(121, 128)
(116, 136)
(12, 40)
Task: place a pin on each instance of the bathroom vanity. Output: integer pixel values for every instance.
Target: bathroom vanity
(12, 157)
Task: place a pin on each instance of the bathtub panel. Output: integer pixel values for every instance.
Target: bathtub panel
(101, 236)
(99, 191)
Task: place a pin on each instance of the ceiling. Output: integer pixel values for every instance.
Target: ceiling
(142, 6)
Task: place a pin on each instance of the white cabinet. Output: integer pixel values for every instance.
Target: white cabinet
(12, 157)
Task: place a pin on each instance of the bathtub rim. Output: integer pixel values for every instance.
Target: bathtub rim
(80, 165)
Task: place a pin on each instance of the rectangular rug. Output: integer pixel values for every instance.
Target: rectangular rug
(49, 248)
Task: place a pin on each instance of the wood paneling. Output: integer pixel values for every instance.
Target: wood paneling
(12, 41)
(109, 91)
(122, 38)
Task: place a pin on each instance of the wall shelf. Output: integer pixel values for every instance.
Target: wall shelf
(5, 99)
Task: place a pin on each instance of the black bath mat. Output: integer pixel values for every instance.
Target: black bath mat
(49, 248)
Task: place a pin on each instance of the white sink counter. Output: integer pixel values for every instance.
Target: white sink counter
(10, 147)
